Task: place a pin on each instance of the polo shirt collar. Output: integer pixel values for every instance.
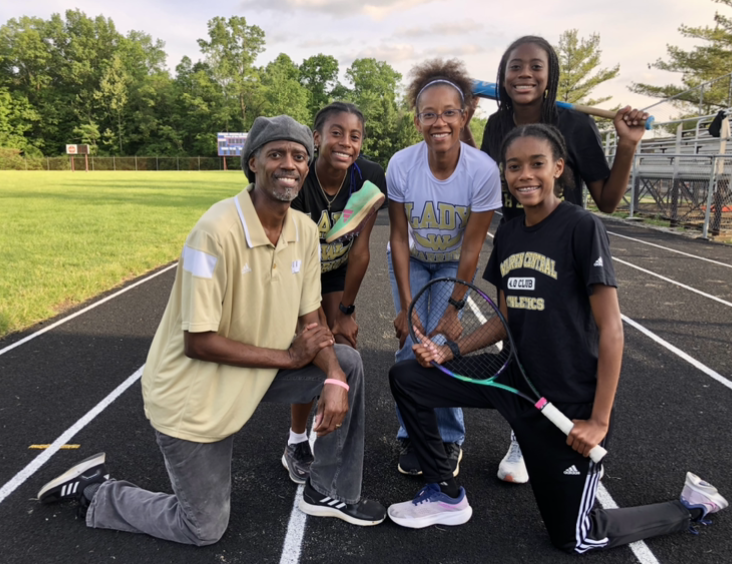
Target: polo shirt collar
(253, 229)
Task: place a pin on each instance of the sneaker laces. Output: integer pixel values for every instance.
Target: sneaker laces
(514, 454)
(426, 494)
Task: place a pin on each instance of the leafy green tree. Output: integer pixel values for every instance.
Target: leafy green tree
(89, 135)
(282, 92)
(374, 91)
(319, 75)
(709, 59)
(579, 59)
(232, 48)
(17, 117)
(113, 94)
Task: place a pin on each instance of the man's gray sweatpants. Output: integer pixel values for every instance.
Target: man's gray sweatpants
(200, 473)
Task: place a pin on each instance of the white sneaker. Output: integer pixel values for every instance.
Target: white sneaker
(430, 507)
(698, 493)
(513, 468)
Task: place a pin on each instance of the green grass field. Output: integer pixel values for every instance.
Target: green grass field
(65, 237)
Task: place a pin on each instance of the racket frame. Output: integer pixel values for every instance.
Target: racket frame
(551, 412)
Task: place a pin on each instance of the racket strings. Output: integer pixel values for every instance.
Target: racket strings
(466, 328)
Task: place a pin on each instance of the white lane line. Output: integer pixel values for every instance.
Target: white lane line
(296, 526)
(672, 250)
(673, 349)
(692, 289)
(26, 339)
(639, 548)
(478, 314)
(64, 438)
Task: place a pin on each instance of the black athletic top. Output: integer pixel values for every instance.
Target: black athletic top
(313, 202)
(585, 159)
(546, 273)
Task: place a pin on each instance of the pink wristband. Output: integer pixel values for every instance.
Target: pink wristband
(336, 382)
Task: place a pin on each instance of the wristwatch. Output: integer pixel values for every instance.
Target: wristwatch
(347, 310)
(458, 304)
(454, 348)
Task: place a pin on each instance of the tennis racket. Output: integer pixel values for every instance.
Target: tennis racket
(480, 341)
(488, 90)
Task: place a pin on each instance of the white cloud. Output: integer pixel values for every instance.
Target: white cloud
(391, 53)
(375, 9)
(440, 29)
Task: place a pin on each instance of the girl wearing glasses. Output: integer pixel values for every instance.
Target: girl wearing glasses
(528, 80)
(442, 195)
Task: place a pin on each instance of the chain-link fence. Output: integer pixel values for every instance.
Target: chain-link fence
(121, 163)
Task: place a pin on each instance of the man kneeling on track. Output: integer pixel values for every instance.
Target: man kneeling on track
(248, 279)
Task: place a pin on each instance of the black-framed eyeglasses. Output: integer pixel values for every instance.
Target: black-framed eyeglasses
(448, 116)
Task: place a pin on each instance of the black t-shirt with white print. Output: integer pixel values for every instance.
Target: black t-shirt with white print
(313, 202)
(546, 273)
(585, 157)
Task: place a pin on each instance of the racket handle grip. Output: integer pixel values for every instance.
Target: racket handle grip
(565, 424)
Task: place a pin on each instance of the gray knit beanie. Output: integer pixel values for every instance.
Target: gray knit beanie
(265, 130)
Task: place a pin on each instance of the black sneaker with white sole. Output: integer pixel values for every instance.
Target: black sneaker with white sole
(363, 513)
(71, 485)
(408, 462)
(297, 459)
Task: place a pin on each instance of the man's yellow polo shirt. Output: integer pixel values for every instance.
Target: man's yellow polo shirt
(233, 281)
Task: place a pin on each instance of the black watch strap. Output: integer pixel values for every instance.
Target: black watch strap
(458, 304)
(454, 348)
(347, 310)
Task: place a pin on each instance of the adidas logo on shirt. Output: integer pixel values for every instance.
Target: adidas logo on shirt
(246, 269)
(598, 263)
(571, 471)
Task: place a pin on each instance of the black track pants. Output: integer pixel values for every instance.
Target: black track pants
(564, 482)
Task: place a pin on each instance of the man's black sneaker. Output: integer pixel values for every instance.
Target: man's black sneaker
(363, 513)
(71, 485)
(454, 456)
(408, 462)
(297, 460)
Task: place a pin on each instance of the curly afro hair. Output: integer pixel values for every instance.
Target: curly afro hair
(452, 70)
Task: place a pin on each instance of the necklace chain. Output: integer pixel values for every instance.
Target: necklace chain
(325, 194)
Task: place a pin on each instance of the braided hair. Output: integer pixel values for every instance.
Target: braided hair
(333, 109)
(504, 115)
(554, 137)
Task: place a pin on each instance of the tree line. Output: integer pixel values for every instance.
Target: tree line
(76, 79)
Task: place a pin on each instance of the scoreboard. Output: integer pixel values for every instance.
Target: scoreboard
(230, 144)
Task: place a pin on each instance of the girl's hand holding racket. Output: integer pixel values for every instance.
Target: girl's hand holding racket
(585, 435)
(428, 352)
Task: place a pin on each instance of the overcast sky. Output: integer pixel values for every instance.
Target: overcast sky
(633, 33)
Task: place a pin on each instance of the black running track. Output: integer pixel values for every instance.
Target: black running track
(671, 417)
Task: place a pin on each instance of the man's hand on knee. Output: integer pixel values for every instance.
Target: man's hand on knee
(332, 407)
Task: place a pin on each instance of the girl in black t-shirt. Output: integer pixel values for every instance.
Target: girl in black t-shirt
(578, 299)
(528, 79)
(338, 171)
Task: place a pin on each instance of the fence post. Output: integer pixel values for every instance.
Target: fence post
(48, 164)
(157, 165)
(633, 175)
(135, 163)
(710, 192)
(199, 163)
(177, 163)
(114, 163)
